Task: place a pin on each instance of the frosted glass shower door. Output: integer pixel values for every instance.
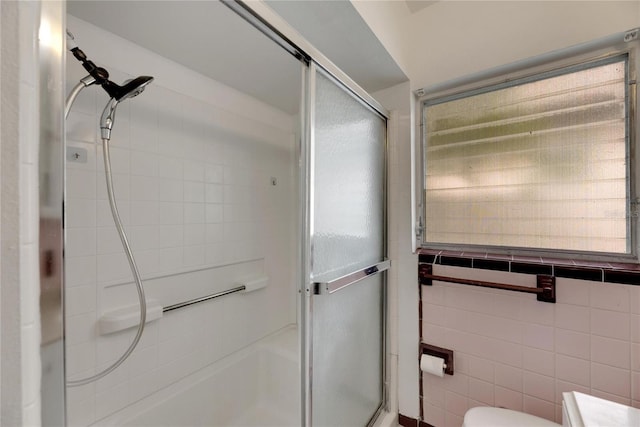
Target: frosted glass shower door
(348, 252)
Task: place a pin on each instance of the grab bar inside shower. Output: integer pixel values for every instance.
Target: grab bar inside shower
(203, 299)
(125, 317)
(246, 286)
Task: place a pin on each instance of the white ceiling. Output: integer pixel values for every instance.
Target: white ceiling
(339, 32)
(209, 38)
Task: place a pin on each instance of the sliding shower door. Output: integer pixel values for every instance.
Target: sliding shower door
(347, 224)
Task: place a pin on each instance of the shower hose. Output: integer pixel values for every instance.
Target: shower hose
(128, 253)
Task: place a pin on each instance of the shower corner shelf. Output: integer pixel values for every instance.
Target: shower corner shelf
(127, 317)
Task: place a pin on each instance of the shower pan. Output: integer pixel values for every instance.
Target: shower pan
(250, 184)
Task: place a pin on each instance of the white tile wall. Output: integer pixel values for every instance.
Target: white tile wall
(194, 195)
(524, 356)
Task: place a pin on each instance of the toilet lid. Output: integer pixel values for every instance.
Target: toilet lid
(499, 417)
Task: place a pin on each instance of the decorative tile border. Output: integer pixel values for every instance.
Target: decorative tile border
(628, 274)
(405, 421)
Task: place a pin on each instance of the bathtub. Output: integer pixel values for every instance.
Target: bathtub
(256, 386)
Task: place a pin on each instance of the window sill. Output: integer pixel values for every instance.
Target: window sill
(625, 273)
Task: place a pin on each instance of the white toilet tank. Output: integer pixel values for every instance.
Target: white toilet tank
(500, 417)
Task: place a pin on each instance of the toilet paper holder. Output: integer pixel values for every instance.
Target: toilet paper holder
(443, 353)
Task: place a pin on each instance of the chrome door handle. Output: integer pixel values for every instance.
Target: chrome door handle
(351, 278)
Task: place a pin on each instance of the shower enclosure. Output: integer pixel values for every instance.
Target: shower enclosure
(251, 181)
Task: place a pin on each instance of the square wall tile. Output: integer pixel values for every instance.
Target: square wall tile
(538, 336)
(170, 213)
(482, 369)
(194, 192)
(194, 171)
(539, 361)
(540, 386)
(481, 391)
(508, 377)
(171, 168)
(610, 352)
(540, 408)
(611, 380)
(532, 311)
(144, 163)
(434, 415)
(80, 184)
(611, 324)
(572, 291)
(144, 188)
(506, 352)
(572, 317)
(144, 212)
(457, 383)
(80, 242)
(452, 420)
(510, 399)
(80, 270)
(80, 300)
(574, 344)
(456, 404)
(80, 212)
(610, 296)
(572, 370)
(170, 190)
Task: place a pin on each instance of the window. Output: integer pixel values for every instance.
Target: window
(541, 163)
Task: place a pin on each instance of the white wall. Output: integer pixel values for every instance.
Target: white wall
(450, 39)
(402, 294)
(453, 39)
(192, 162)
(10, 291)
(20, 363)
(388, 20)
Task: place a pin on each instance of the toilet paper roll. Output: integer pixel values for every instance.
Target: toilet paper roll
(432, 365)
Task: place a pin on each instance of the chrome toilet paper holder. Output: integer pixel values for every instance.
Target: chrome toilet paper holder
(443, 353)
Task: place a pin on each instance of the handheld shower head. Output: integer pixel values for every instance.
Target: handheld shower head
(118, 93)
(129, 89)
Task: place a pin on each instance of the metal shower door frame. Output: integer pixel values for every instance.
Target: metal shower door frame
(273, 26)
(309, 286)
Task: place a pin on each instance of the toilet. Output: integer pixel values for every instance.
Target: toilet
(499, 417)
